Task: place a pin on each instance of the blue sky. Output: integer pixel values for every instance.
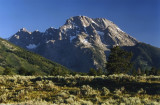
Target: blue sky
(139, 18)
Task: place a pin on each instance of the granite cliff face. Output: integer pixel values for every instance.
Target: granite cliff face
(80, 44)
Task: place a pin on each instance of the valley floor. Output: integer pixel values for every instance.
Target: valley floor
(76, 90)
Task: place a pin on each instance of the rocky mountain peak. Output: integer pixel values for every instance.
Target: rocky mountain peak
(86, 21)
(81, 42)
(51, 29)
(36, 31)
(24, 30)
(81, 21)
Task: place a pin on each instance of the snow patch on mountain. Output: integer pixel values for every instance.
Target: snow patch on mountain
(52, 41)
(119, 29)
(85, 30)
(100, 33)
(72, 37)
(66, 27)
(31, 46)
(16, 36)
(85, 41)
(94, 22)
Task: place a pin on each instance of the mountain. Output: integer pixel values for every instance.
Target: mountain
(80, 44)
(14, 58)
(145, 56)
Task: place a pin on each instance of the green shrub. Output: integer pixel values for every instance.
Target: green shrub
(7, 71)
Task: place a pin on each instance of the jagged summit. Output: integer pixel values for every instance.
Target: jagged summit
(80, 44)
(23, 30)
(36, 31)
(86, 21)
(50, 29)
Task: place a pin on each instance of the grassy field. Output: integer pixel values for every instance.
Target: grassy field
(87, 90)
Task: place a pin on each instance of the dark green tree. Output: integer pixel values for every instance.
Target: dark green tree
(147, 72)
(99, 71)
(54, 72)
(58, 71)
(134, 72)
(32, 72)
(153, 71)
(92, 72)
(7, 71)
(158, 72)
(119, 61)
(22, 71)
(139, 72)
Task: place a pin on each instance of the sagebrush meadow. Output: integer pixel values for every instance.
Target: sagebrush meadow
(107, 90)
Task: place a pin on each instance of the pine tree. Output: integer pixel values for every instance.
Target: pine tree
(153, 71)
(139, 72)
(119, 61)
(99, 71)
(7, 71)
(92, 72)
(147, 72)
(22, 71)
(134, 72)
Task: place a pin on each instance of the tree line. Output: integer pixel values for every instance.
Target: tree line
(119, 61)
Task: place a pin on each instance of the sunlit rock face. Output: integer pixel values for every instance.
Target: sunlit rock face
(80, 44)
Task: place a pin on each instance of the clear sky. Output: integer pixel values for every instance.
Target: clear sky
(139, 18)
